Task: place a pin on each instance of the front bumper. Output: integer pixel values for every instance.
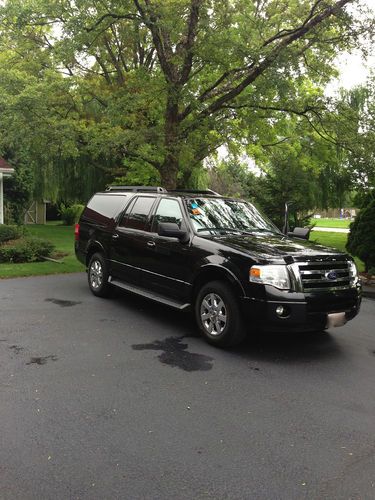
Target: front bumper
(303, 312)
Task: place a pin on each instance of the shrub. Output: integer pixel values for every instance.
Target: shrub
(70, 215)
(8, 233)
(361, 239)
(25, 250)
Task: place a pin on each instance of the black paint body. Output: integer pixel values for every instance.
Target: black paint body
(169, 268)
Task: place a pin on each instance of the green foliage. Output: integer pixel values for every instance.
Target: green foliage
(232, 177)
(18, 191)
(361, 240)
(363, 198)
(87, 86)
(25, 250)
(8, 233)
(138, 173)
(70, 214)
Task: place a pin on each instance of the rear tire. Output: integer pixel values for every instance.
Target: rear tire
(218, 315)
(98, 275)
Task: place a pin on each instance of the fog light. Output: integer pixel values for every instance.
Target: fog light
(282, 311)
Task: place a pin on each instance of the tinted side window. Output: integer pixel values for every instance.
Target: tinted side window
(167, 211)
(103, 207)
(138, 215)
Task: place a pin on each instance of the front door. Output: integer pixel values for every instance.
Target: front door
(129, 249)
(167, 266)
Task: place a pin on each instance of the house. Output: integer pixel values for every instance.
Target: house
(5, 171)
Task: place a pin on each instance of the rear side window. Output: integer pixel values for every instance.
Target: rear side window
(104, 207)
(138, 214)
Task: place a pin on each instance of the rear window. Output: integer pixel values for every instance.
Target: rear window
(137, 216)
(103, 207)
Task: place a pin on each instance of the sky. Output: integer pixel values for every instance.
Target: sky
(354, 69)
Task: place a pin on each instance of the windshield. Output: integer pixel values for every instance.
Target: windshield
(225, 215)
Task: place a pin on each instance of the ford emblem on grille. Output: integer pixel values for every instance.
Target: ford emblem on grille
(331, 275)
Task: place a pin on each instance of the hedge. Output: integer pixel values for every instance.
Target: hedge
(8, 233)
(25, 250)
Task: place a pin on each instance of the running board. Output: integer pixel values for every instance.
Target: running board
(148, 295)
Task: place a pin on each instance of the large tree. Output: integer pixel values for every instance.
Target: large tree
(166, 82)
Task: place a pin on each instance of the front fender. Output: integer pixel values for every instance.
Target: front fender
(217, 268)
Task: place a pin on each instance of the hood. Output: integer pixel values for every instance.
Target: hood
(269, 246)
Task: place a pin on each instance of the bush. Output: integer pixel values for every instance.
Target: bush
(361, 239)
(25, 250)
(8, 233)
(70, 215)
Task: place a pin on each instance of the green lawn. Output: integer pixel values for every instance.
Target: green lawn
(63, 239)
(340, 223)
(335, 240)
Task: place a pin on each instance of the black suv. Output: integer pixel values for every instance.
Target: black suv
(216, 255)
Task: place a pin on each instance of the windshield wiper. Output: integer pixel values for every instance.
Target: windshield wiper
(248, 231)
(259, 230)
(223, 229)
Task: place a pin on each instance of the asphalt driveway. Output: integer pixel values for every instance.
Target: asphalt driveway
(119, 399)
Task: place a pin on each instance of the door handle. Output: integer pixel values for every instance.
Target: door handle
(115, 236)
(151, 244)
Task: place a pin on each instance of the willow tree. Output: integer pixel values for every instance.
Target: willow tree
(171, 80)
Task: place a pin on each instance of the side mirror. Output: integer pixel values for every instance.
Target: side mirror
(171, 230)
(300, 232)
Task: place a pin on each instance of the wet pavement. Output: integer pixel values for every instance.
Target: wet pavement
(119, 398)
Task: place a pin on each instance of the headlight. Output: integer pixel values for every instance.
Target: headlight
(275, 275)
(353, 273)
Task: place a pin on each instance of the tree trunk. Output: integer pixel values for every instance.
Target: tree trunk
(170, 168)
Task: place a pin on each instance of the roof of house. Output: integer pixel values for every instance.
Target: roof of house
(5, 167)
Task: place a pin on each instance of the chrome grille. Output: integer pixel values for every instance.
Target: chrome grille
(324, 275)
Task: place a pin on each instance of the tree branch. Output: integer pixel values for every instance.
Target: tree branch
(284, 33)
(131, 17)
(255, 70)
(133, 154)
(161, 44)
(187, 45)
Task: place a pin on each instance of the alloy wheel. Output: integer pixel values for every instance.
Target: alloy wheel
(213, 314)
(96, 274)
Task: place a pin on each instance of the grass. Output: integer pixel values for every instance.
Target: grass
(339, 223)
(335, 240)
(63, 239)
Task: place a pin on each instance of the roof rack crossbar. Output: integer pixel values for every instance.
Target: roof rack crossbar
(136, 189)
(194, 191)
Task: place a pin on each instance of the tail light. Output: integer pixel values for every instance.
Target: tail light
(76, 232)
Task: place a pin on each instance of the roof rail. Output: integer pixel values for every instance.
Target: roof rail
(135, 189)
(194, 191)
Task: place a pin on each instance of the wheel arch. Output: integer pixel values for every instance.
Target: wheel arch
(216, 273)
(93, 247)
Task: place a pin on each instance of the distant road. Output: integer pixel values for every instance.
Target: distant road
(330, 229)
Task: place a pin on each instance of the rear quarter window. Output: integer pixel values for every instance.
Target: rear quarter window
(102, 208)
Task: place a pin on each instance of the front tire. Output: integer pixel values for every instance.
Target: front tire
(218, 315)
(98, 275)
